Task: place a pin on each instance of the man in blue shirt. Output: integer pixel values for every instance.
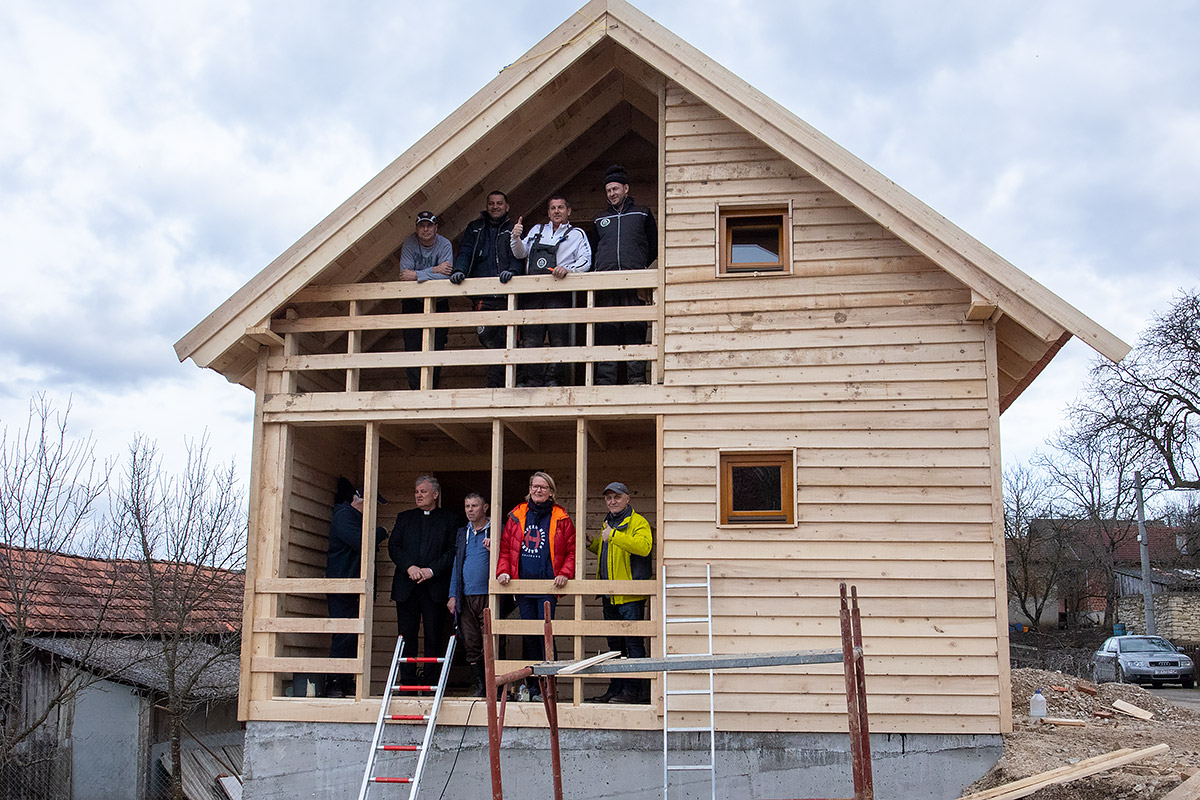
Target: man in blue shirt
(425, 256)
(469, 583)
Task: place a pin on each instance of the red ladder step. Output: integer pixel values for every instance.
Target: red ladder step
(421, 660)
(391, 780)
(406, 688)
(408, 717)
(400, 748)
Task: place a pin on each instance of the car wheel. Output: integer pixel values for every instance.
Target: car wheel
(1188, 684)
(1120, 676)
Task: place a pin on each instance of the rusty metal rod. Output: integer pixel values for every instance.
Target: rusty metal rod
(514, 676)
(860, 673)
(489, 671)
(852, 711)
(549, 687)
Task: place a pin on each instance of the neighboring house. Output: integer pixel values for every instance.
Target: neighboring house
(829, 359)
(91, 622)
(1099, 562)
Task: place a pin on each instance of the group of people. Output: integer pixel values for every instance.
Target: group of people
(443, 571)
(493, 246)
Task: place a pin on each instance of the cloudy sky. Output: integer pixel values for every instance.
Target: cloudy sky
(154, 156)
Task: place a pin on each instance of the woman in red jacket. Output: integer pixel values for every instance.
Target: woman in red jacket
(538, 543)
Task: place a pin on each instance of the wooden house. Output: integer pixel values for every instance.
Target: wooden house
(857, 380)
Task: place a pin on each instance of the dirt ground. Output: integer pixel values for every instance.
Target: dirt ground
(1033, 748)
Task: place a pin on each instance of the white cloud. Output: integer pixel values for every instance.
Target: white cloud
(155, 156)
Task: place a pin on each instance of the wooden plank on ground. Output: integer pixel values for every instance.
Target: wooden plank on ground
(1132, 710)
(1091, 766)
(1188, 790)
(1067, 723)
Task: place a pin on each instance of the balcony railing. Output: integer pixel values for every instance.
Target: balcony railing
(364, 314)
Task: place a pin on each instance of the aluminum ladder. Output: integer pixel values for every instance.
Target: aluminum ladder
(385, 717)
(668, 692)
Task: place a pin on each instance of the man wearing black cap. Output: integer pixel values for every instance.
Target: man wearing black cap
(623, 547)
(626, 238)
(425, 256)
(344, 560)
(484, 252)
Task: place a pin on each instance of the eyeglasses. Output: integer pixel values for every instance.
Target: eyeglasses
(536, 487)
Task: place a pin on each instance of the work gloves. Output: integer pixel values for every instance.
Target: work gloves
(457, 277)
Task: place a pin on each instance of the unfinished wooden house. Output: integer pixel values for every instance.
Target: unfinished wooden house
(825, 408)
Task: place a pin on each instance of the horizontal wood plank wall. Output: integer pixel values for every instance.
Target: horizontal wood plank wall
(890, 423)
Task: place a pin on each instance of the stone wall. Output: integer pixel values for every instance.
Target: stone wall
(1176, 616)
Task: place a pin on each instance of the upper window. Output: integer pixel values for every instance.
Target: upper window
(758, 488)
(754, 239)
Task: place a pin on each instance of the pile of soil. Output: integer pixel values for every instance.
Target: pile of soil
(1036, 747)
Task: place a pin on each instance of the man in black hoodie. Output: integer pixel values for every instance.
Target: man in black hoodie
(484, 252)
(626, 238)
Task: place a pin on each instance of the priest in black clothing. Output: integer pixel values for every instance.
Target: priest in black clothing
(422, 546)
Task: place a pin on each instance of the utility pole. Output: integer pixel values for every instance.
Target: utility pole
(1147, 582)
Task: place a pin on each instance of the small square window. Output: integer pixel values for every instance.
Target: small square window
(757, 489)
(754, 239)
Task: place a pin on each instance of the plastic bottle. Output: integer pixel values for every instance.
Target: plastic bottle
(1037, 705)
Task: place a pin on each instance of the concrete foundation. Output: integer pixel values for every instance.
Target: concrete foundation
(324, 761)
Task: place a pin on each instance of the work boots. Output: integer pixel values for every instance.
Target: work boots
(480, 677)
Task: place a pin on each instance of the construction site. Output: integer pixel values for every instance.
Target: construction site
(843, 633)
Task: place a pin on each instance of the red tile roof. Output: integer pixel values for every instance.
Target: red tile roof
(60, 593)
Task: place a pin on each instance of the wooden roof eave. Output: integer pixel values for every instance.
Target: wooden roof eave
(977, 266)
(252, 305)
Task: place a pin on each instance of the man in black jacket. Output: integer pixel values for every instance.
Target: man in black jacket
(422, 546)
(484, 252)
(344, 560)
(626, 238)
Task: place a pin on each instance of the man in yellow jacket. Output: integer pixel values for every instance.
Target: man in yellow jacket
(623, 547)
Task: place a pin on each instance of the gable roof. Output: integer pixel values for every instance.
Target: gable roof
(57, 593)
(1032, 322)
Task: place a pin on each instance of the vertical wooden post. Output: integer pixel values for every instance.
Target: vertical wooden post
(510, 344)
(498, 516)
(549, 686)
(589, 367)
(367, 600)
(250, 602)
(288, 380)
(996, 475)
(427, 347)
(581, 484)
(353, 347)
(658, 330)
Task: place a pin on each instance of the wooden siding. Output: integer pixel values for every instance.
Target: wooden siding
(888, 408)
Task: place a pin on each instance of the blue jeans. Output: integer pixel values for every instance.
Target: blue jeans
(533, 648)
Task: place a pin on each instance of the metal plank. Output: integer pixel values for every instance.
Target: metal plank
(731, 661)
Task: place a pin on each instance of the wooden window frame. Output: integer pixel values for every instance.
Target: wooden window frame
(727, 213)
(785, 517)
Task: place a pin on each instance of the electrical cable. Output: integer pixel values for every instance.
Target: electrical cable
(466, 727)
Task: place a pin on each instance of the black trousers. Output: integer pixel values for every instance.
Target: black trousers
(622, 333)
(412, 338)
(493, 337)
(629, 646)
(430, 607)
(344, 645)
(533, 336)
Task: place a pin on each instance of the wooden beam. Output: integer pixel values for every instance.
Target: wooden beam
(459, 433)
(406, 443)
(593, 429)
(362, 688)
(1188, 790)
(263, 335)
(1091, 766)
(525, 432)
(981, 308)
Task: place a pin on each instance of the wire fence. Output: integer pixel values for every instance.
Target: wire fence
(42, 772)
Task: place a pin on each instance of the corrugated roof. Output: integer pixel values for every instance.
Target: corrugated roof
(140, 662)
(62, 593)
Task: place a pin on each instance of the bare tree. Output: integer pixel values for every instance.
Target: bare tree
(50, 487)
(1154, 396)
(1036, 552)
(189, 534)
(1095, 476)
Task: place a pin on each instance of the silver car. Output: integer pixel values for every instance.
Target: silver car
(1142, 659)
